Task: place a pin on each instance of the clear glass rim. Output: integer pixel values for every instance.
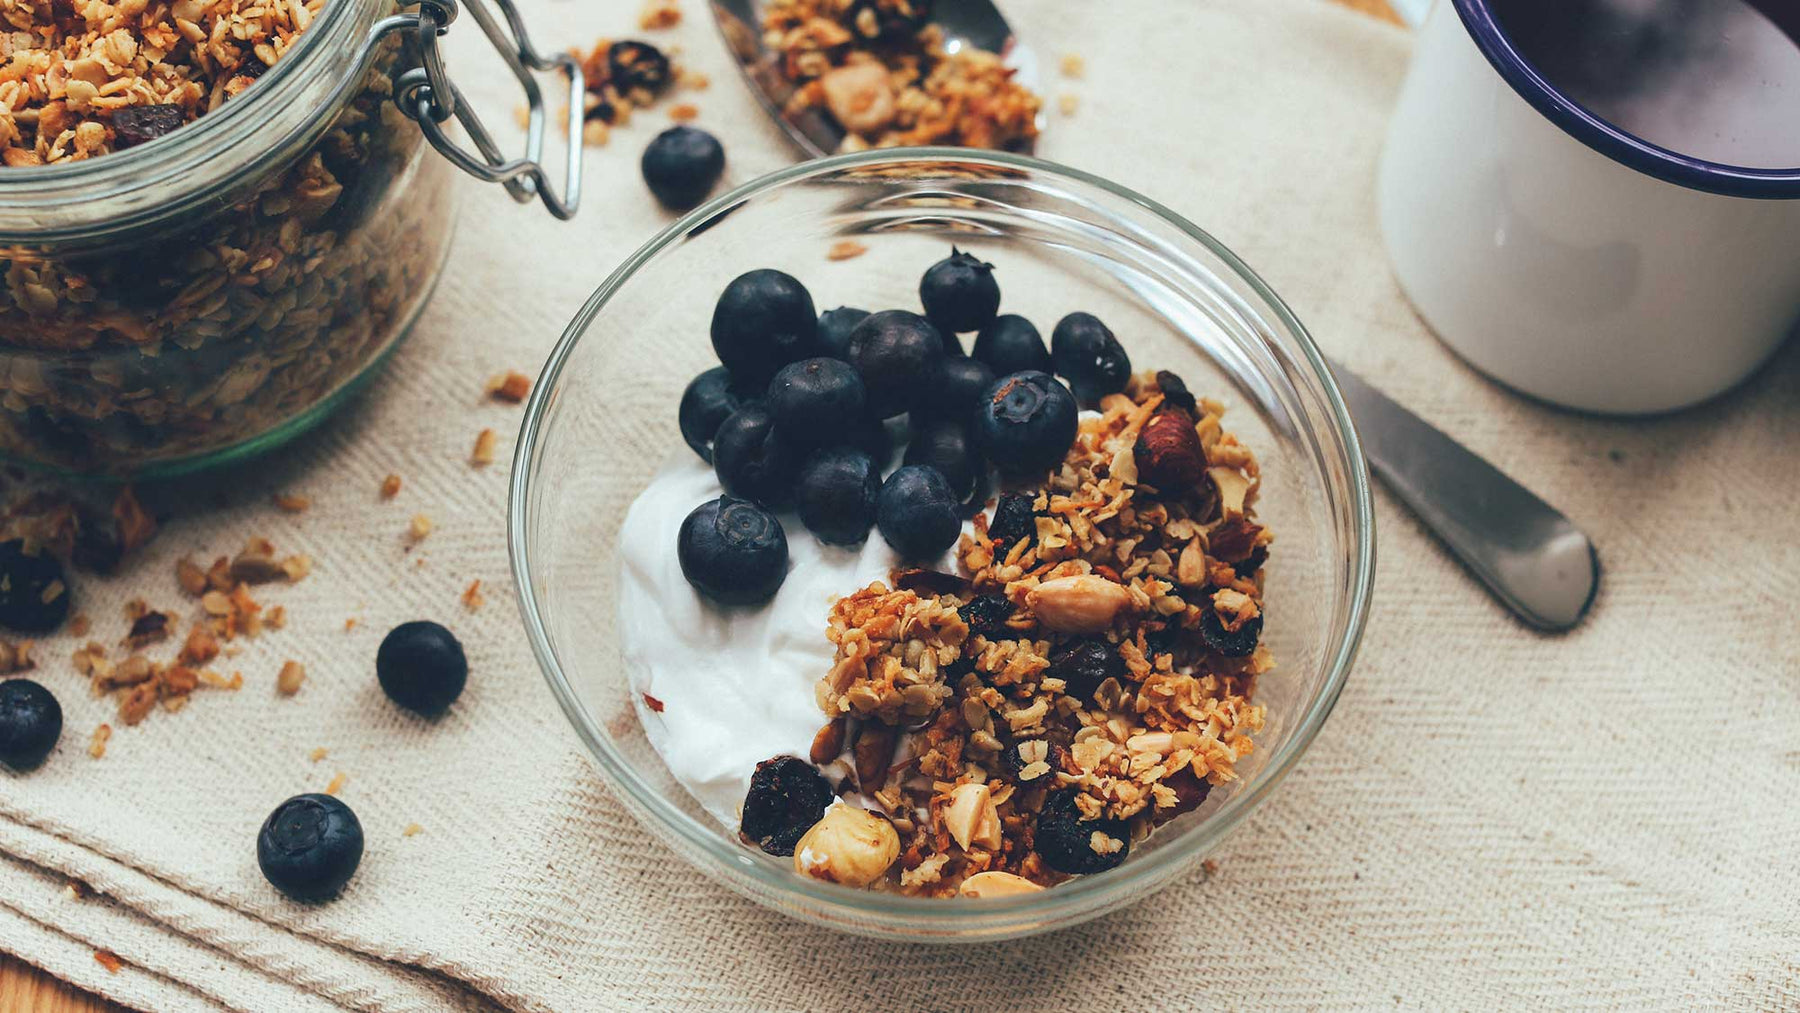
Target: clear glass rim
(1083, 893)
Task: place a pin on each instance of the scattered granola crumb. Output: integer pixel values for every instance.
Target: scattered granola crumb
(277, 617)
(109, 960)
(150, 628)
(75, 889)
(97, 744)
(653, 703)
(471, 596)
(135, 525)
(694, 79)
(191, 578)
(1067, 103)
(1073, 65)
(16, 657)
(684, 112)
(292, 674)
(52, 591)
(483, 454)
(659, 14)
(595, 134)
(390, 487)
(845, 249)
(338, 781)
(78, 626)
(418, 529)
(510, 386)
(349, 624)
(1211, 866)
(317, 754)
(412, 830)
(293, 503)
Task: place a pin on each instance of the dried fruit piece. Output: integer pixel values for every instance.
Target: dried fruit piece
(1238, 643)
(1085, 666)
(987, 615)
(787, 798)
(1014, 518)
(134, 125)
(847, 845)
(1065, 840)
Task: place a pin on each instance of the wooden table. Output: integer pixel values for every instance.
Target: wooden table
(25, 989)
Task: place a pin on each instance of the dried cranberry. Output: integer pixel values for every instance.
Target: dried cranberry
(1238, 643)
(1190, 790)
(787, 796)
(1065, 841)
(1246, 568)
(1013, 518)
(1175, 392)
(987, 615)
(637, 65)
(251, 67)
(1085, 666)
(135, 125)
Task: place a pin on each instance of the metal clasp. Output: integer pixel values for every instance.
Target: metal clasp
(427, 96)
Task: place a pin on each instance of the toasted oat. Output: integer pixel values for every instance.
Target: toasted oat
(510, 387)
(317, 754)
(191, 578)
(97, 742)
(471, 596)
(338, 781)
(659, 14)
(684, 112)
(79, 624)
(16, 657)
(693, 79)
(418, 529)
(390, 487)
(288, 680)
(109, 960)
(52, 591)
(483, 454)
(296, 567)
(293, 503)
(845, 249)
(1067, 103)
(1072, 65)
(412, 830)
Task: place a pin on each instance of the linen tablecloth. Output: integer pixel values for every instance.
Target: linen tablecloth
(1491, 817)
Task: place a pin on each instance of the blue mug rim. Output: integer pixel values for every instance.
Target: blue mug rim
(1619, 145)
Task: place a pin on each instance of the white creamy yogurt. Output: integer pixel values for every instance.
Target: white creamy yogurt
(736, 683)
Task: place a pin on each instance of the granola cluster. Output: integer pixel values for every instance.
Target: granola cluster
(1090, 676)
(881, 70)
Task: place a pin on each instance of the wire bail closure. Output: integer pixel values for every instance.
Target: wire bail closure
(427, 96)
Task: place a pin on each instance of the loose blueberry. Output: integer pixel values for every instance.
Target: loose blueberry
(753, 460)
(787, 796)
(888, 21)
(733, 551)
(34, 591)
(836, 494)
(1011, 344)
(637, 66)
(897, 354)
(917, 512)
(1014, 518)
(763, 321)
(30, 723)
(987, 615)
(1085, 666)
(816, 401)
(1026, 422)
(945, 445)
(958, 390)
(310, 846)
(1089, 357)
(709, 400)
(422, 667)
(681, 166)
(834, 330)
(959, 293)
(1238, 643)
(1065, 840)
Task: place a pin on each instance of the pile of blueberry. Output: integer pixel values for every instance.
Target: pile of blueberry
(804, 411)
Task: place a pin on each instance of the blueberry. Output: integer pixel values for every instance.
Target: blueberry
(834, 330)
(709, 400)
(1085, 666)
(917, 512)
(897, 354)
(872, 437)
(957, 390)
(421, 667)
(1064, 840)
(1238, 643)
(891, 22)
(763, 321)
(682, 165)
(945, 445)
(34, 592)
(1014, 518)
(1026, 422)
(959, 293)
(733, 551)
(816, 401)
(837, 491)
(637, 66)
(310, 846)
(787, 796)
(1010, 345)
(987, 615)
(30, 723)
(753, 460)
(1089, 357)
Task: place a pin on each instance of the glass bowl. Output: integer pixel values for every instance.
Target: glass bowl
(601, 421)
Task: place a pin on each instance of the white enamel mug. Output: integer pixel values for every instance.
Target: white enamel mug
(1567, 258)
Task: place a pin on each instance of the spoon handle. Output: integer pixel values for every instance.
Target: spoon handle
(1533, 559)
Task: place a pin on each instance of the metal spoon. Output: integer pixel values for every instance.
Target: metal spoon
(975, 23)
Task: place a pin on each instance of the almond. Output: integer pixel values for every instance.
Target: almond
(1233, 487)
(996, 884)
(972, 817)
(1080, 604)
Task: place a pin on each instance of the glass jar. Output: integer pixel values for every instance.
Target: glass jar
(214, 292)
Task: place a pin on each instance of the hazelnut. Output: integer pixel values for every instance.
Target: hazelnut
(1080, 604)
(1168, 451)
(859, 96)
(848, 845)
(996, 884)
(972, 817)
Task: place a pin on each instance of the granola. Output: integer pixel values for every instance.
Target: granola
(880, 69)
